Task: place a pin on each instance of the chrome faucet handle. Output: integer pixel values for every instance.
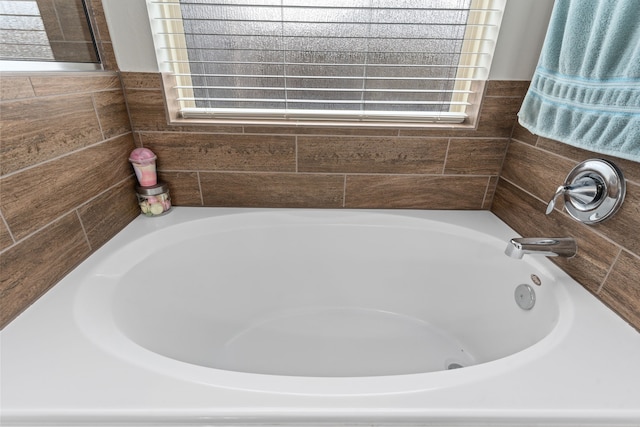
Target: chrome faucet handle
(559, 192)
(585, 190)
(593, 191)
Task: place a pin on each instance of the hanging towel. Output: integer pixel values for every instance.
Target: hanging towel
(586, 88)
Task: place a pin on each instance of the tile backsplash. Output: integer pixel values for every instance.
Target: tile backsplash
(326, 167)
(608, 259)
(65, 189)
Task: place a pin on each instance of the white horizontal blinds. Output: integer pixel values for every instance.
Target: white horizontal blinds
(479, 42)
(178, 53)
(326, 59)
(22, 32)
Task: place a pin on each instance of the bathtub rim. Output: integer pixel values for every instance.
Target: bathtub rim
(556, 404)
(313, 386)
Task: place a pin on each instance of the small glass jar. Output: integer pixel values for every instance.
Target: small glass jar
(154, 200)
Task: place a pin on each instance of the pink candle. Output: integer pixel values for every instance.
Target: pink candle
(144, 165)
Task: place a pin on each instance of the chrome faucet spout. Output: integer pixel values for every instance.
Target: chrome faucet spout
(547, 246)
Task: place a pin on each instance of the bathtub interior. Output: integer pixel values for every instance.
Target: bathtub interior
(353, 296)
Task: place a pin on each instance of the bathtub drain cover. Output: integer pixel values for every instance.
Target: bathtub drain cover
(525, 297)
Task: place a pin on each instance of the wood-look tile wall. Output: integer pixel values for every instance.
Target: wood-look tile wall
(101, 34)
(67, 30)
(608, 260)
(288, 166)
(66, 185)
(65, 182)
(69, 36)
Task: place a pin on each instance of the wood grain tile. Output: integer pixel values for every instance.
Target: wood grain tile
(278, 190)
(147, 113)
(507, 88)
(98, 20)
(497, 116)
(534, 170)
(15, 87)
(5, 237)
(146, 109)
(371, 155)
(29, 268)
(36, 196)
(184, 187)
(624, 226)
(107, 56)
(112, 113)
(415, 191)
(50, 19)
(523, 135)
(104, 216)
(36, 130)
(631, 170)
(475, 156)
(491, 189)
(132, 80)
(621, 290)
(72, 19)
(137, 138)
(495, 120)
(196, 151)
(525, 214)
(564, 150)
(73, 51)
(67, 83)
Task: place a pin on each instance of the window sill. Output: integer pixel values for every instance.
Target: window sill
(318, 123)
(18, 66)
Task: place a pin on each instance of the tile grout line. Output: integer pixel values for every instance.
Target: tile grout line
(60, 156)
(613, 263)
(296, 152)
(57, 95)
(446, 156)
(200, 188)
(13, 239)
(75, 208)
(571, 159)
(33, 89)
(126, 105)
(344, 191)
(95, 110)
(486, 193)
(84, 230)
(285, 172)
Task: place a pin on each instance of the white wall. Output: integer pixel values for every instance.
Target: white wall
(523, 28)
(131, 34)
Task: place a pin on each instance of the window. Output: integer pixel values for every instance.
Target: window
(374, 61)
(41, 35)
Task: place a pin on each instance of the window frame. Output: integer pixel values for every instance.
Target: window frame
(473, 34)
(55, 65)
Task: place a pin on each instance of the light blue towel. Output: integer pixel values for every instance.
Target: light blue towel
(586, 88)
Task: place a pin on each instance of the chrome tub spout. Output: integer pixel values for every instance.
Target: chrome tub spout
(547, 246)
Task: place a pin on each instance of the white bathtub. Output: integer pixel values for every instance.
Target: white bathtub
(234, 316)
